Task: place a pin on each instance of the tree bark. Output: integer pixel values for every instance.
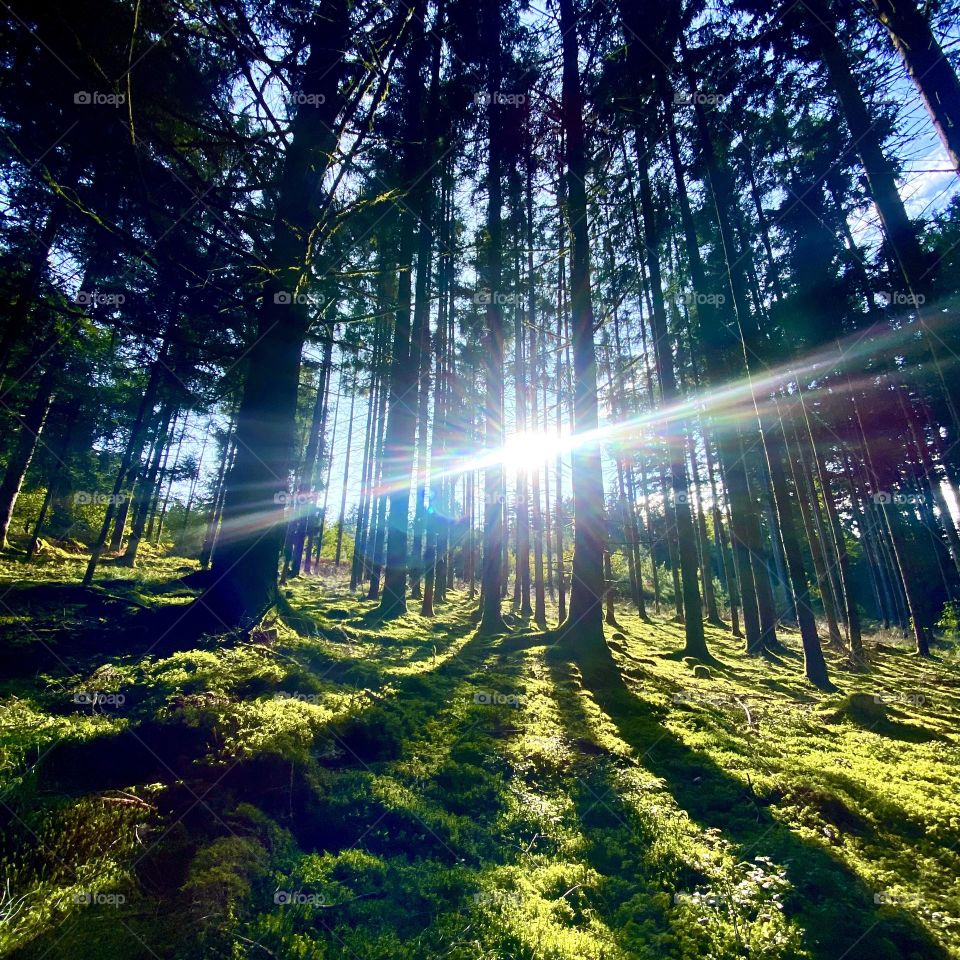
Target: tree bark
(928, 67)
(253, 529)
(408, 331)
(34, 418)
(696, 645)
(491, 617)
(583, 627)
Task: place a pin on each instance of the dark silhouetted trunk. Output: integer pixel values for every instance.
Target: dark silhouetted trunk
(253, 528)
(928, 67)
(583, 627)
(31, 427)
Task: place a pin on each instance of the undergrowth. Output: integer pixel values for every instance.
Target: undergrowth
(409, 790)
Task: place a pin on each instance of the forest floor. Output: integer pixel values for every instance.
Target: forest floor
(412, 790)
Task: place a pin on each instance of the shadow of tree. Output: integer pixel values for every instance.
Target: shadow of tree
(830, 901)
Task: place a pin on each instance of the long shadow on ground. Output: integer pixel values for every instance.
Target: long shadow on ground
(832, 904)
(326, 804)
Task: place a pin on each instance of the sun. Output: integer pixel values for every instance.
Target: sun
(526, 451)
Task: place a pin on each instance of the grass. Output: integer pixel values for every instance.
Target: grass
(410, 790)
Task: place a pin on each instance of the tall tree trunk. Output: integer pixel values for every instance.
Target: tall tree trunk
(718, 349)
(365, 509)
(29, 285)
(141, 501)
(722, 543)
(346, 471)
(815, 666)
(53, 482)
(696, 645)
(928, 67)
(314, 544)
(213, 524)
(901, 234)
(848, 596)
(398, 447)
(558, 383)
(746, 532)
(408, 331)
(157, 519)
(584, 625)
(453, 418)
(523, 488)
(706, 567)
(531, 398)
(253, 529)
(305, 505)
(375, 535)
(897, 548)
(491, 617)
(422, 324)
(31, 427)
(132, 450)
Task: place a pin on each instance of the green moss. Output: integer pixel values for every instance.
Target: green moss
(410, 790)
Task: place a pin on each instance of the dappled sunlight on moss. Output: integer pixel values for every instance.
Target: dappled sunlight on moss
(408, 789)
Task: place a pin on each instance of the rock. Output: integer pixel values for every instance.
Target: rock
(864, 709)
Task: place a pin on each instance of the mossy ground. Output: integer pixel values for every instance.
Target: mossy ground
(411, 790)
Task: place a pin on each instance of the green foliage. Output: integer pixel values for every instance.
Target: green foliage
(407, 790)
(330, 543)
(949, 622)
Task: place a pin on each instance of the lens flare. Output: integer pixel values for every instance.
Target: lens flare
(526, 451)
